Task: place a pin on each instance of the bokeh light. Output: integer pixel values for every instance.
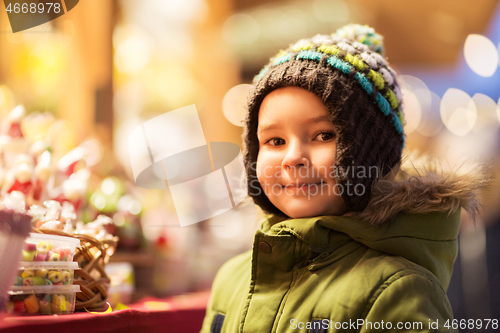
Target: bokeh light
(418, 87)
(234, 102)
(458, 111)
(108, 186)
(133, 49)
(417, 101)
(127, 203)
(134, 207)
(481, 55)
(498, 54)
(498, 109)
(413, 111)
(430, 123)
(98, 201)
(487, 110)
(240, 29)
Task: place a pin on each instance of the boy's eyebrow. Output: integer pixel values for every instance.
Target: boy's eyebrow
(313, 120)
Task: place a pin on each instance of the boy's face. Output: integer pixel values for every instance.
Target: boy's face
(295, 165)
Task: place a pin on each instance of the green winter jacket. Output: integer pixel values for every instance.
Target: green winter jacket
(386, 269)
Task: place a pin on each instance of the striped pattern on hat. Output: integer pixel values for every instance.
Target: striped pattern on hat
(370, 70)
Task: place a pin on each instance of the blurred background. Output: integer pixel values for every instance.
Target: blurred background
(96, 73)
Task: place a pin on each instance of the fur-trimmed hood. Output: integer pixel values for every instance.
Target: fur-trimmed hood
(420, 185)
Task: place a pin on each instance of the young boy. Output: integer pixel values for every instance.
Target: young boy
(347, 242)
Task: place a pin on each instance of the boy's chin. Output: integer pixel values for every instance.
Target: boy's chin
(298, 210)
(302, 212)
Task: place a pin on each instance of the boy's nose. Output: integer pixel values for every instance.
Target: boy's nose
(295, 156)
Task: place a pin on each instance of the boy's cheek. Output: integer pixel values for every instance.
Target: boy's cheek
(265, 183)
(267, 171)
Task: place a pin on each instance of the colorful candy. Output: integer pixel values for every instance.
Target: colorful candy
(31, 303)
(63, 253)
(66, 277)
(40, 257)
(28, 255)
(34, 303)
(56, 254)
(45, 307)
(41, 273)
(42, 247)
(39, 281)
(19, 307)
(30, 247)
(28, 282)
(46, 251)
(18, 281)
(27, 273)
(59, 301)
(55, 277)
(33, 281)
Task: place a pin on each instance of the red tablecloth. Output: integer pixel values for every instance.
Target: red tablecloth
(182, 314)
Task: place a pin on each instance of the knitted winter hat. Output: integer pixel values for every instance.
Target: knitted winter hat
(348, 72)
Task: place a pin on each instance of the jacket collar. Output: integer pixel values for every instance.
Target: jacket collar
(429, 240)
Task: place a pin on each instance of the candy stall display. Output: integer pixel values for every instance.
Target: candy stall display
(61, 239)
(42, 300)
(63, 259)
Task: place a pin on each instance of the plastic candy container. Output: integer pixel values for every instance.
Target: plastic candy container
(14, 228)
(45, 273)
(44, 247)
(42, 300)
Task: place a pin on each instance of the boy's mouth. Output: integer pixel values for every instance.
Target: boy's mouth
(303, 184)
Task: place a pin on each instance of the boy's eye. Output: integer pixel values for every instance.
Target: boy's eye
(326, 136)
(322, 136)
(276, 141)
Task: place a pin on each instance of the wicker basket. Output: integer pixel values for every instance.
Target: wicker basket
(92, 256)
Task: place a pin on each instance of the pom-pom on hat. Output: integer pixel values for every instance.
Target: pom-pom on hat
(348, 72)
